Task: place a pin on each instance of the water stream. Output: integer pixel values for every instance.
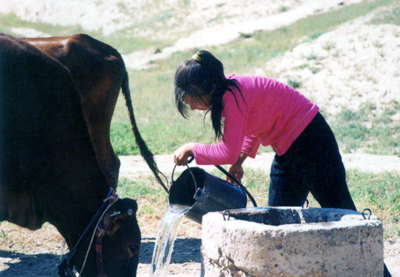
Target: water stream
(165, 240)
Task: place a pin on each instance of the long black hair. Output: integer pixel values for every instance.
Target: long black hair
(200, 76)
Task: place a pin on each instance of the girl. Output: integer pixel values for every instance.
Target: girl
(247, 111)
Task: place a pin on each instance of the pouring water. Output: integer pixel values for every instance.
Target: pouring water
(192, 195)
(165, 240)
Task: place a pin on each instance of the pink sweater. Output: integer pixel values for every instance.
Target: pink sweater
(272, 114)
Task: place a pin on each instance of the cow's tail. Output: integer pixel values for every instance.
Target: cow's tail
(144, 151)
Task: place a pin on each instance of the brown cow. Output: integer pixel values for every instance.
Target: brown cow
(48, 167)
(99, 72)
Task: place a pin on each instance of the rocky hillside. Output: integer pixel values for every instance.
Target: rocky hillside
(354, 64)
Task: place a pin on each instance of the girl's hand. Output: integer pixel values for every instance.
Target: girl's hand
(182, 154)
(236, 171)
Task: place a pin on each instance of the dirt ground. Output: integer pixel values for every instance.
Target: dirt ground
(25, 253)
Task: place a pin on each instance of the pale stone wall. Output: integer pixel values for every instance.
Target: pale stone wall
(323, 242)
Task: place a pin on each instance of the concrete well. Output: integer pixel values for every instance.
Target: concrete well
(291, 241)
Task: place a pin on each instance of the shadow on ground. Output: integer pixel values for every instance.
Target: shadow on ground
(24, 265)
(185, 250)
(44, 265)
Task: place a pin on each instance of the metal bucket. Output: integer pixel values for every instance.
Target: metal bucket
(202, 192)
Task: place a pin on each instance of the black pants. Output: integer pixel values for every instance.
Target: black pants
(311, 164)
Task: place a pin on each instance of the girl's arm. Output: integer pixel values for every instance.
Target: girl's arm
(236, 170)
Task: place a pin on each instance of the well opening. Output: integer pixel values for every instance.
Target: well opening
(278, 216)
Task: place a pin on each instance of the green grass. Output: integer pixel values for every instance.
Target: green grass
(151, 199)
(381, 137)
(390, 16)
(380, 193)
(3, 235)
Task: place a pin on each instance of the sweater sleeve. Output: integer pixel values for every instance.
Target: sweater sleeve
(250, 145)
(228, 150)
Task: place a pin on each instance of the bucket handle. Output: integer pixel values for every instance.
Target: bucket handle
(224, 171)
(230, 176)
(237, 182)
(194, 179)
